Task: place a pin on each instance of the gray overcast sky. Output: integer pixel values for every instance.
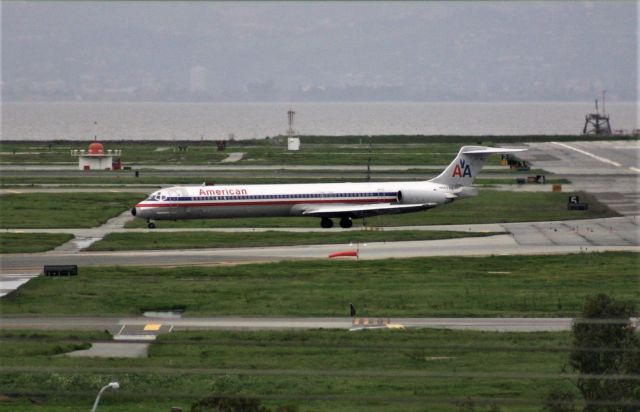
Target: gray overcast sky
(319, 51)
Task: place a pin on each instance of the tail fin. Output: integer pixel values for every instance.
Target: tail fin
(466, 166)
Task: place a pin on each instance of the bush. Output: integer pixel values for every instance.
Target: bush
(605, 350)
(560, 401)
(224, 404)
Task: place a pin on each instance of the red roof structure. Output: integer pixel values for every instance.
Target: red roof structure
(96, 148)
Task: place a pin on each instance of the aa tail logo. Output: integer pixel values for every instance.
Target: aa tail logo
(462, 169)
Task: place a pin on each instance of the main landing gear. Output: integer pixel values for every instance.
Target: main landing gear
(151, 224)
(327, 223)
(346, 223)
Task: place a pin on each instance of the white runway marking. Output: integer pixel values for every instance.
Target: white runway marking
(602, 159)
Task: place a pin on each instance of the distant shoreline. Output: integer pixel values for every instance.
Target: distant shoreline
(244, 121)
(355, 139)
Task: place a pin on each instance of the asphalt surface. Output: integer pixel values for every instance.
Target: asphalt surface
(133, 329)
(234, 168)
(168, 178)
(610, 170)
(485, 246)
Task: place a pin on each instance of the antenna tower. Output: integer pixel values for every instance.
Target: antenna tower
(596, 123)
(290, 114)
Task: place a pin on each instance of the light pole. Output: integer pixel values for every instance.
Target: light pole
(111, 385)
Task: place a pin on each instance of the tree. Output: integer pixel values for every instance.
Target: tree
(225, 404)
(235, 404)
(560, 401)
(605, 350)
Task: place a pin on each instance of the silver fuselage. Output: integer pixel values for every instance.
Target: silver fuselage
(205, 202)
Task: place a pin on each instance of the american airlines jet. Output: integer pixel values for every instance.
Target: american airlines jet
(327, 201)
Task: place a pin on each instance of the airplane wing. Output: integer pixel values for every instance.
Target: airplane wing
(363, 210)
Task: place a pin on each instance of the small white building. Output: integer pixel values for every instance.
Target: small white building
(293, 143)
(95, 158)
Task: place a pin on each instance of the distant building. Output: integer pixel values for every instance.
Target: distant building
(95, 158)
(293, 143)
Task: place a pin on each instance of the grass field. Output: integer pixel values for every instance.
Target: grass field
(500, 286)
(199, 240)
(31, 242)
(63, 210)
(315, 370)
(241, 177)
(256, 152)
(490, 206)
(259, 152)
(75, 210)
(393, 149)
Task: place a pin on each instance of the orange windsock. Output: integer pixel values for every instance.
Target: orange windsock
(344, 253)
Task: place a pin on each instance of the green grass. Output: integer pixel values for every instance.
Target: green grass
(499, 286)
(31, 242)
(256, 152)
(199, 240)
(378, 370)
(386, 149)
(240, 177)
(75, 210)
(62, 210)
(491, 206)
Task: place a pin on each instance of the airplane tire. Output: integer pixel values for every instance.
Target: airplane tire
(346, 223)
(326, 223)
(151, 225)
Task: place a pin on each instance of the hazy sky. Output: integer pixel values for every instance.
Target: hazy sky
(284, 51)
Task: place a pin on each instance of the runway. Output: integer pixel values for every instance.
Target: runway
(608, 169)
(493, 245)
(234, 168)
(594, 164)
(135, 328)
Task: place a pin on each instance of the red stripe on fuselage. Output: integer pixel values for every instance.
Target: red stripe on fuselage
(267, 203)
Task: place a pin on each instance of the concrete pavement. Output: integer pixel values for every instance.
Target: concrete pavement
(486, 246)
(608, 169)
(133, 327)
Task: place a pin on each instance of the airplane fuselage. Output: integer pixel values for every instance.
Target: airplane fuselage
(205, 202)
(345, 201)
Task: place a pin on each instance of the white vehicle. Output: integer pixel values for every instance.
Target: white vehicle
(344, 201)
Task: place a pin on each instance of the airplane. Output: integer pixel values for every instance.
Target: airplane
(327, 201)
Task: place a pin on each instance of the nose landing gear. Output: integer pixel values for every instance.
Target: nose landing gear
(151, 224)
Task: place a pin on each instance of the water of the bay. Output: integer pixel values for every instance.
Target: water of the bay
(215, 121)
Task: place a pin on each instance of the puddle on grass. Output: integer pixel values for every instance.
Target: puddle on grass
(85, 242)
(10, 282)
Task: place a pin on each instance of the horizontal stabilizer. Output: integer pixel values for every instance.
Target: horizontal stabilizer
(363, 210)
(492, 150)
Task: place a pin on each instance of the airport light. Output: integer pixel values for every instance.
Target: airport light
(111, 385)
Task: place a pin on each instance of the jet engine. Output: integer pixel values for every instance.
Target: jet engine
(423, 196)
